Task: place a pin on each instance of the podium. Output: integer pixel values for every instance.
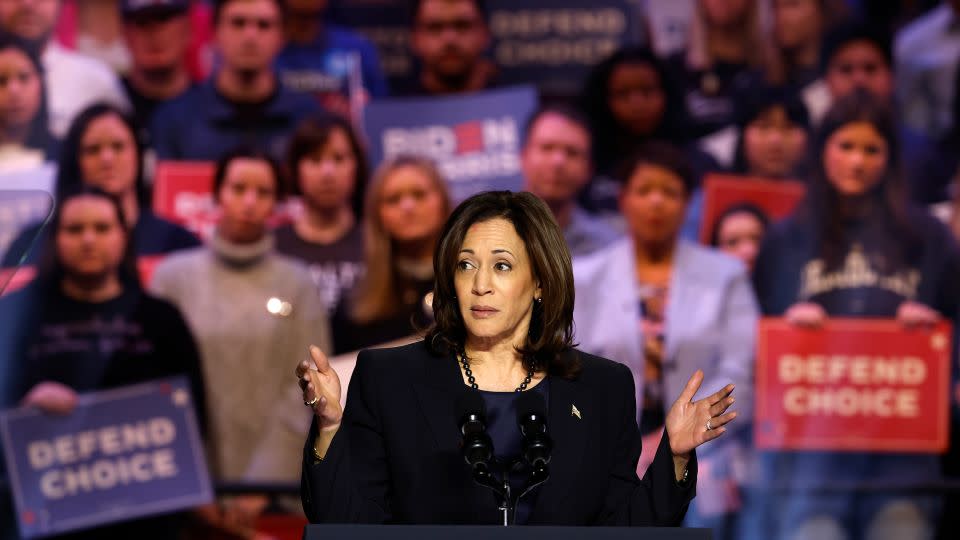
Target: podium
(484, 532)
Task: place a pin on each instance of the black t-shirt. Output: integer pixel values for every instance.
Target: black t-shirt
(709, 95)
(411, 315)
(335, 268)
(88, 346)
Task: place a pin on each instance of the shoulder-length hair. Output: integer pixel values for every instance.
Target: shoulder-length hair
(69, 175)
(312, 135)
(700, 50)
(823, 204)
(375, 296)
(551, 324)
(39, 136)
(608, 136)
(50, 269)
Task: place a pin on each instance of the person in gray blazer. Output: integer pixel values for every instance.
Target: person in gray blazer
(664, 306)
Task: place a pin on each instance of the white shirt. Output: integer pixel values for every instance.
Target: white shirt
(74, 82)
(926, 53)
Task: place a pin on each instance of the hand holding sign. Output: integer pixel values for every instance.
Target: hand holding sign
(51, 397)
(806, 314)
(914, 314)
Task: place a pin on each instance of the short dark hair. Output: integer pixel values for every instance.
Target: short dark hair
(737, 208)
(571, 114)
(660, 154)
(312, 135)
(50, 269)
(845, 34)
(551, 325)
(755, 103)
(246, 152)
(219, 5)
(69, 176)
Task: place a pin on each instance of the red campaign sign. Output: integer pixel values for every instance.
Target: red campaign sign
(720, 191)
(183, 193)
(855, 385)
(18, 278)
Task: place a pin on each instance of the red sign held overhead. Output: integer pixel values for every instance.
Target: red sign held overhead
(856, 384)
(777, 198)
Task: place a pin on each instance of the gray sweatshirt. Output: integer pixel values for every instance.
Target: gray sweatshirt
(254, 313)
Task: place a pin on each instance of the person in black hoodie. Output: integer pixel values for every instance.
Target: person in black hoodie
(854, 248)
(85, 324)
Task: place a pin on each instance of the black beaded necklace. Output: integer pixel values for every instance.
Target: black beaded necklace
(473, 381)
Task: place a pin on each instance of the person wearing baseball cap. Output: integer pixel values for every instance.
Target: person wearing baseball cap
(157, 33)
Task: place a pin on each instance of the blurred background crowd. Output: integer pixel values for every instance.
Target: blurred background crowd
(313, 243)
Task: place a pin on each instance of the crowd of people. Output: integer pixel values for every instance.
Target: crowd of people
(856, 102)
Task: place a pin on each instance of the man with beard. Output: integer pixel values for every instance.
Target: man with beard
(243, 102)
(73, 81)
(157, 33)
(449, 38)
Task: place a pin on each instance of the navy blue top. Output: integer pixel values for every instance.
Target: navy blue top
(503, 429)
(323, 65)
(202, 124)
(152, 235)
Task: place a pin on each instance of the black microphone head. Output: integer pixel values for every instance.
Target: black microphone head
(532, 411)
(471, 411)
(476, 445)
(532, 419)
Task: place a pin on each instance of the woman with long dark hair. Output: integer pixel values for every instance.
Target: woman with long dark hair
(631, 100)
(86, 324)
(855, 248)
(102, 150)
(25, 139)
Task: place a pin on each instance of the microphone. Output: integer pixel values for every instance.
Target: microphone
(476, 445)
(532, 419)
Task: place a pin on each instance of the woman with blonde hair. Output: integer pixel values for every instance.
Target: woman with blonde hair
(405, 208)
(725, 50)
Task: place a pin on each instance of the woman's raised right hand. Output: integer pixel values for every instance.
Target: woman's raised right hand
(321, 389)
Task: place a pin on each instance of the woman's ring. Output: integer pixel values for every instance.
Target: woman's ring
(316, 399)
(709, 427)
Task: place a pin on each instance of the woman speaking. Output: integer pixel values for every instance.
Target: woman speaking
(503, 309)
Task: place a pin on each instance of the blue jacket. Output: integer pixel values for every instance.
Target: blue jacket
(321, 66)
(202, 125)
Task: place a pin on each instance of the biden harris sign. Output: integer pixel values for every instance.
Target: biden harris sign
(121, 454)
(474, 139)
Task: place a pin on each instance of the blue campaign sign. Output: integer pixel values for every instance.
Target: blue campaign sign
(123, 453)
(474, 139)
(555, 42)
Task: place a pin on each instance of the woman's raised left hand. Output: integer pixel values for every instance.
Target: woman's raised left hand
(691, 423)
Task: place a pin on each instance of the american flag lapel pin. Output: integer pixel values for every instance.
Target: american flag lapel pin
(575, 412)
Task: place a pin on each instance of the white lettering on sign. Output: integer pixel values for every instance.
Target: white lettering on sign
(105, 474)
(856, 370)
(106, 441)
(850, 401)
